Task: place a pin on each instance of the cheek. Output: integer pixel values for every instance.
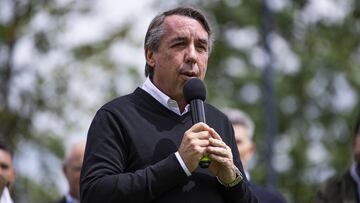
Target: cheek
(241, 149)
(203, 67)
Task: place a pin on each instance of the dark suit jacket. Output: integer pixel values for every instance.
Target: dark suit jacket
(338, 189)
(265, 195)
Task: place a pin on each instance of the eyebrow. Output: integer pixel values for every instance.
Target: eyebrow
(181, 39)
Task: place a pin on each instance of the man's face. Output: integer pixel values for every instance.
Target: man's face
(244, 144)
(182, 54)
(72, 170)
(7, 170)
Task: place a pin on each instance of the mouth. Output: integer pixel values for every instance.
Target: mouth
(189, 74)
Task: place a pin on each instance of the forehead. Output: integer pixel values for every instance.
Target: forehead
(184, 25)
(5, 157)
(241, 132)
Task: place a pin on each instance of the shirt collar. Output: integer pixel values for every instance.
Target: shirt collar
(247, 174)
(5, 197)
(165, 100)
(354, 173)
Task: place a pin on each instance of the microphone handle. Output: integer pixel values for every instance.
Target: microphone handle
(198, 115)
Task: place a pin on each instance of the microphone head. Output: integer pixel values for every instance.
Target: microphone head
(194, 89)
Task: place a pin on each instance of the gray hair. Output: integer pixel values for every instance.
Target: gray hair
(155, 30)
(238, 117)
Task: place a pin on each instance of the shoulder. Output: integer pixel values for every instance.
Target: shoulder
(335, 183)
(337, 187)
(120, 101)
(125, 103)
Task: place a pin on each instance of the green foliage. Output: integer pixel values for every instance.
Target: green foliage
(30, 94)
(32, 191)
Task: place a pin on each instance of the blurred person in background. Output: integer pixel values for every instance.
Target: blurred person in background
(346, 187)
(7, 172)
(71, 168)
(244, 131)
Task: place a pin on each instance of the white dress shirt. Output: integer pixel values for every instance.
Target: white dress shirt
(5, 197)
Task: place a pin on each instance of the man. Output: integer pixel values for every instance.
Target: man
(7, 172)
(142, 147)
(346, 187)
(244, 131)
(71, 168)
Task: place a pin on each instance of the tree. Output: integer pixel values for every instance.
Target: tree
(39, 106)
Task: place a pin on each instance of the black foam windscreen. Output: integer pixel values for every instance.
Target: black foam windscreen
(194, 89)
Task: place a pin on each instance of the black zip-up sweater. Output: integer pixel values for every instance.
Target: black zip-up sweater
(130, 156)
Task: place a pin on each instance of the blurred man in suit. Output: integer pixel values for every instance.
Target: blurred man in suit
(7, 172)
(244, 130)
(71, 168)
(344, 187)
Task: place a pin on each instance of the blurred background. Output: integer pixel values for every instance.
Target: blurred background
(292, 65)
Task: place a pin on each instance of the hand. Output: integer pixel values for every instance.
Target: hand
(222, 164)
(193, 145)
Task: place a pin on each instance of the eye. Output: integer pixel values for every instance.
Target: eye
(202, 48)
(178, 44)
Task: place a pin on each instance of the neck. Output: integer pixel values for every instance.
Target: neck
(181, 104)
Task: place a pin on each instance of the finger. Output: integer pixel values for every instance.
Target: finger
(201, 143)
(217, 143)
(214, 134)
(219, 151)
(199, 127)
(218, 158)
(202, 135)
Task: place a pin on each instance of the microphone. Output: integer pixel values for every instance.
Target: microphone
(195, 94)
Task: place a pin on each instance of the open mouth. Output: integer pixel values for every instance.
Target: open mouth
(189, 74)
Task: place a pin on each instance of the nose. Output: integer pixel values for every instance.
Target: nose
(191, 56)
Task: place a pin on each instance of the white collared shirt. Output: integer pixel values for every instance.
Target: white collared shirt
(5, 197)
(165, 100)
(170, 104)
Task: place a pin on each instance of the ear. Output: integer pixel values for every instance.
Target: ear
(149, 56)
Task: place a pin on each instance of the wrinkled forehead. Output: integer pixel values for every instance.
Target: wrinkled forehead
(183, 23)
